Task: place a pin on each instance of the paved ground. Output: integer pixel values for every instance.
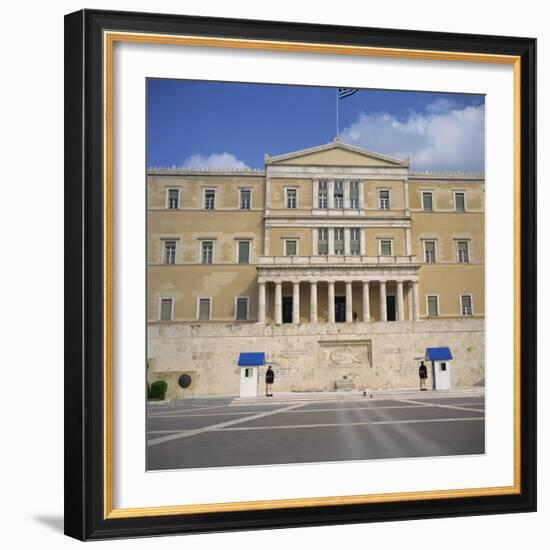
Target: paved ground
(209, 432)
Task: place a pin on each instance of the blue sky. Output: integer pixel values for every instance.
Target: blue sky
(199, 124)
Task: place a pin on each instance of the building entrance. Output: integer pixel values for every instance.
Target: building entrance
(340, 309)
(287, 309)
(390, 307)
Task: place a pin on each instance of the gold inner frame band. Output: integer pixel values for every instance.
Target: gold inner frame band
(109, 39)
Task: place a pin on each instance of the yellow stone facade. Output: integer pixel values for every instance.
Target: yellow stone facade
(329, 235)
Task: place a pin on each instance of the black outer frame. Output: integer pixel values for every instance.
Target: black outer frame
(84, 517)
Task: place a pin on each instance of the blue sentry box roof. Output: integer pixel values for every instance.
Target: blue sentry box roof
(438, 354)
(251, 359)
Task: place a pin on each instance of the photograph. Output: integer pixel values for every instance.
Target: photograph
(315, 274)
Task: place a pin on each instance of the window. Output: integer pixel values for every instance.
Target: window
(384, 199)
(322, 241)
(169, 252)
(339, 241)
(241, 309)
(433, 306)
(291, 248)
(463, 252)
(209, 199)
(385, 247)
(207, 252)
(291, 198)
(338, 194)
(429, 252)
(245, 199)
(204, 309)
(322, 194)
(354, 194)
(466, 304)
(166, 309)
(460, 201)
(243, 252)
(427, 201)
(173, 199)
(355, 241)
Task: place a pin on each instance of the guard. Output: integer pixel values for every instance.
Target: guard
(269, 379)
(423, 375)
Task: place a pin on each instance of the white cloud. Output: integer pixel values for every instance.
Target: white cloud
(446, 137)
(215, 161)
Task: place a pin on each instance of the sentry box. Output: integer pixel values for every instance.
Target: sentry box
(250, 364)
(441, 367)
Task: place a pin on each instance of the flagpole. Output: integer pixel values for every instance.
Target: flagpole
(337, 117)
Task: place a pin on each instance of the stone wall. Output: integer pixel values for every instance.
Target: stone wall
(312, 357)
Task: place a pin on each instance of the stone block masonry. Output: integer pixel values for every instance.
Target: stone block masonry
(313, 356)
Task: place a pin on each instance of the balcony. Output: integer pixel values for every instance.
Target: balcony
(334, 260)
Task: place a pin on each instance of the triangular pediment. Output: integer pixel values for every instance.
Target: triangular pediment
(336, 154)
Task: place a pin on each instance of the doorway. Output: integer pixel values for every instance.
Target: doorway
(287, 309)
(340, 309)
(390, 307)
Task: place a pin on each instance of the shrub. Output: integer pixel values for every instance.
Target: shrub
(157, 390)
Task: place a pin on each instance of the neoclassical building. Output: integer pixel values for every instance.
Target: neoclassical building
(329, 246)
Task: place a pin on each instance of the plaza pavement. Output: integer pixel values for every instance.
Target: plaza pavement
(301, 428)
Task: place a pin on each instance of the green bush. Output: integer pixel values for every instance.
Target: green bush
(157, 390)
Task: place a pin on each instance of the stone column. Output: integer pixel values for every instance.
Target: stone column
(331, 241)
(296, 303)
(331, 316)
(330, 191)
(315, 193)
(347, 241)
(346, 193)
(366, 302)
(383, 305)
(313, 302)
(410, 299)
(416, 304)
(278, 303)
(400, 306)
(261, 303)
(408, 251)
(349, 303)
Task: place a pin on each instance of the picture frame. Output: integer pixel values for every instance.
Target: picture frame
(89, 367)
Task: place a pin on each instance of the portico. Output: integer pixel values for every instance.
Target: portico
(353, 289)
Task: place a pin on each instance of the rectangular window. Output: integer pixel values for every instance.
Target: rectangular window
(244, 252)
(463, 252)
(322, 241)
(322, 194)
(429, 252)
(460, 202)
(241, 313)
(384, 199)
(339, 241)
(291, 198)
(173, 200)
(245, 199)
(207, 252)
(166, 309)
(433, 306)
(385, 247)
(209, 199)
(204, 309)
(290, 248)
(427, 201)
(169, 252)
(354, 194)
(338, 194)
(466, 304)
(355, 241)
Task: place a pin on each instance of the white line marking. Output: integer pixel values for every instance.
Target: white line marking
(183, 411)
(456, 407)
(189, 433)
(378, 422)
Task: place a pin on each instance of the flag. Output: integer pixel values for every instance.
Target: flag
(346, 92)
